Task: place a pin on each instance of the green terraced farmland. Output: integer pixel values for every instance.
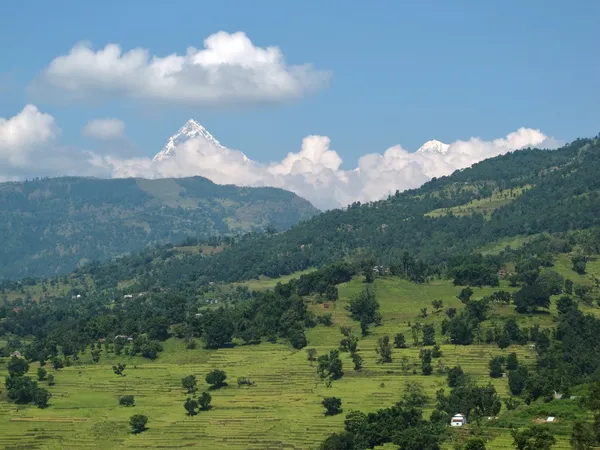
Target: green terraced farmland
(282, 410)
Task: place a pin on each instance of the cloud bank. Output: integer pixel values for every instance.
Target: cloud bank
(28, 148)
(314, 172)
(230, 70)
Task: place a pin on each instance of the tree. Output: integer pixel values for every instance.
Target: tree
(355, 422)
(455, 377)
(593, 398)
(399, 340)
(190, 383)
(579, 264)
(138, 423)
(329, 367)
(423, 313)
(475, 444)
(552, 281)
(127, 400)
(96, 355)
(311, 354)
(436, 351)
(422, 437)
(218, 330)
(414, 394)
(517, 380)
(503, 297)
(341, 441)
(41, 397)
(384, 349)
(57, 363)
(428, 334)
(426, 367)
(51, 380)
(465, 295)
(298, 339)
(565, 304)
(512, 362)
(204, 401)
(438, 305)
(531, 297)
(41, 373)
(118, 369)
(462, 329)
(536, 437)
(416, 333)
(333, 405)
(349, 344)
(451, 312)
(495, 366)
(582, 436)
(216, 379)
(191, 406)
(364, 307)
(17, 366)
(358, 361)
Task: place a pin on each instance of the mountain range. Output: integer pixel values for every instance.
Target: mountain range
(192, 130)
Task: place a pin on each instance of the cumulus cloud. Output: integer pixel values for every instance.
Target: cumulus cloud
(230, 70)
(104, 129)
(29, 148)
(24, 134)
(314, 171)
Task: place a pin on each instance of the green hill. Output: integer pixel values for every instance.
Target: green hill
(50, 226)
(282, 408)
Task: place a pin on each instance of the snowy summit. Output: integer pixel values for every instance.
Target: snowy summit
(190, 130)
(433, 146)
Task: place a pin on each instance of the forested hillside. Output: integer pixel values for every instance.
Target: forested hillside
(50, 226)
(522, 193)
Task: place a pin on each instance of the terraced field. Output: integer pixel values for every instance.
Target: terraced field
(283, 409)
(484, 206)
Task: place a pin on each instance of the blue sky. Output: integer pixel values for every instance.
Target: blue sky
(400, 72)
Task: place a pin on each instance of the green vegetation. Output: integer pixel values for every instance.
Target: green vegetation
(400, 325)
(52, 226)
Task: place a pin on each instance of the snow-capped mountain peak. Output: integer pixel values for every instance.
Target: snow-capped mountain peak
(433, 146)
(190, 130)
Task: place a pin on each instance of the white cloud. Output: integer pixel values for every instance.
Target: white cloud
(230, 70)
(314, 171)
(28, 148)
(24, 134)
(104, 129)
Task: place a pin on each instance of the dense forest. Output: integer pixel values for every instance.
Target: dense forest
(50, 226)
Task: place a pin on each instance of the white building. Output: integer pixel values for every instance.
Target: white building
(458, 420)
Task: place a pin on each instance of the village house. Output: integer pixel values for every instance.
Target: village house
(458, 420)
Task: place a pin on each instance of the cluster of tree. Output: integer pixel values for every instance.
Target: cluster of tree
(322, 281)
(21, 389)
(402, 425)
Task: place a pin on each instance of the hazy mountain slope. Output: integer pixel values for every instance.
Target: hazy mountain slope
(50, 226)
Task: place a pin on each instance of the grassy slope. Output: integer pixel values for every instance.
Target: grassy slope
(283, 410)
(483, 206)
